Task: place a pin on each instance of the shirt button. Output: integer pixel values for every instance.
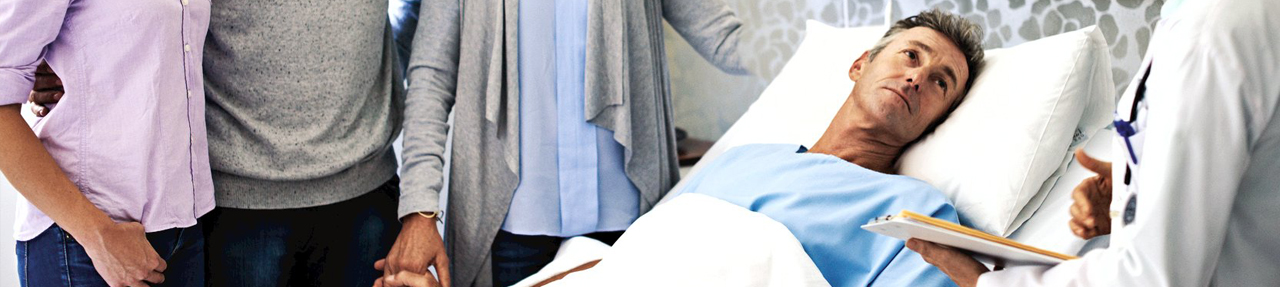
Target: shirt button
(184, 2)
(188, 94)
(186, 48)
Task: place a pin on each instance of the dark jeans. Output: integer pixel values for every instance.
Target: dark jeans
(516, 257)
(54, 258)
(329, 245)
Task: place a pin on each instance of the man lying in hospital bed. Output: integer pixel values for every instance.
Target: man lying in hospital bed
(781, 215)
(907, 85)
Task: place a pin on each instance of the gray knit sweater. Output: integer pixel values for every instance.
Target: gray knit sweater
(301, 106)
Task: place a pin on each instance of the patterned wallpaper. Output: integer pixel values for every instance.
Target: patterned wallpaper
(708, 101)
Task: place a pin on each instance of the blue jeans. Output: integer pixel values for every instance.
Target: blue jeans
(328, 245)
(54, 258)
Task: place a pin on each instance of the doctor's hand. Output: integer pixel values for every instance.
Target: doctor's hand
(47, 90)
(961, 267)
(1089, 213)
(418, 247)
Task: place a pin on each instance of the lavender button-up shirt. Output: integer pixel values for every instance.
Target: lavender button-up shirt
(130, 131)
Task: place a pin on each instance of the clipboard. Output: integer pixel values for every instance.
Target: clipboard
(909, 224)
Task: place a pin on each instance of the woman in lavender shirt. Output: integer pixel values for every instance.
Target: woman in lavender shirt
(113, 180)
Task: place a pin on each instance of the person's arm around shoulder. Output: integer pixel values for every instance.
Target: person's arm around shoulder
(711, 27)
(432, 77)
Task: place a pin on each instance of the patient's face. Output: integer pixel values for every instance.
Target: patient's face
(913, 81)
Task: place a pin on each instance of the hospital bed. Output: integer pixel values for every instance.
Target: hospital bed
(1003, 157)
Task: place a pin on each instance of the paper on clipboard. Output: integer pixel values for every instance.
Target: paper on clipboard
(909, 224)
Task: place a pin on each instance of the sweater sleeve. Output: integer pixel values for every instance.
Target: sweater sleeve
(432, 75)
(711, 27)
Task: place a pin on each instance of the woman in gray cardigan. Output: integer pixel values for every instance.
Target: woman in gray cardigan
(466, 60)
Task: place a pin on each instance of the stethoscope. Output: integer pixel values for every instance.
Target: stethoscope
(1127, 129)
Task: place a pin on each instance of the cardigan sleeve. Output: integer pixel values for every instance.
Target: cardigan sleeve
(432, 75)
(711, 27)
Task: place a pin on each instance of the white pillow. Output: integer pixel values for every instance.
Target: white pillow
(992, 157)
(1028, 107)
(801, 101)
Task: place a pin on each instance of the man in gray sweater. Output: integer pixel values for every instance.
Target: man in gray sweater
(303, 103)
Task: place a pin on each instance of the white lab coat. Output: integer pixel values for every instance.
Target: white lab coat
(1208, 179)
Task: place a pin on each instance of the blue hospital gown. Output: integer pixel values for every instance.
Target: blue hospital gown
(824, 200)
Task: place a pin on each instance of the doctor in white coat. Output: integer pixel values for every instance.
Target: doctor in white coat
(1196, 199)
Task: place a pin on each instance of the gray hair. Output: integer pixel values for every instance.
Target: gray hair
(964, 34)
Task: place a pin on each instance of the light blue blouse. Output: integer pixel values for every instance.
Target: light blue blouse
(572, 180)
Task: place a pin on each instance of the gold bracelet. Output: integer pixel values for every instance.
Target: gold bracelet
(433, 215)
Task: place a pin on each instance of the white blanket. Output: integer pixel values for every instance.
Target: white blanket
(698, 240)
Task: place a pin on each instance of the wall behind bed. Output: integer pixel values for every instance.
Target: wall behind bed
(708, 101)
